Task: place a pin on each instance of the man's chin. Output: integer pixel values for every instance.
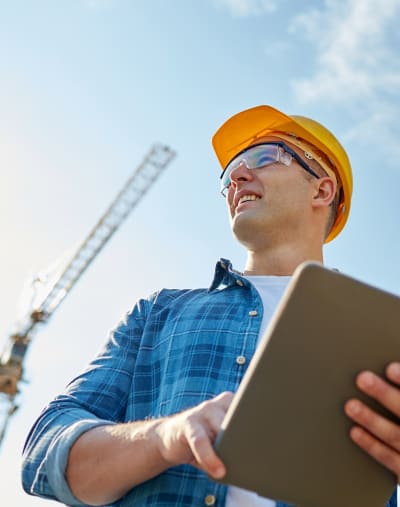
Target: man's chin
(244, 227)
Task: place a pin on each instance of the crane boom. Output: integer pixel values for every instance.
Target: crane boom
(11, 360)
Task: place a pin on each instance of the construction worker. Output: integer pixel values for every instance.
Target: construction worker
(137, 426)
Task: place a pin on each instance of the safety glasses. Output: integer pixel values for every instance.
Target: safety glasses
(259, 156)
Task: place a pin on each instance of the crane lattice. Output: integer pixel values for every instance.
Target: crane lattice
(12, 358)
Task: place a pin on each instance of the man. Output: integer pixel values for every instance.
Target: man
(137, 427)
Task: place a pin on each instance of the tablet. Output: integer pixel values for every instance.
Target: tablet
(285, 435)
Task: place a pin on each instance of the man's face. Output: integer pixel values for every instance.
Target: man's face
(270, 203)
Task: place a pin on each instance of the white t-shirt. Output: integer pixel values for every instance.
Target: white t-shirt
(270, 289)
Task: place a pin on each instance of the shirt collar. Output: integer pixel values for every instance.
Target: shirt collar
(226, 276)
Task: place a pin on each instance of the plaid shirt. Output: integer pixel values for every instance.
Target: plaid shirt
(172, 351)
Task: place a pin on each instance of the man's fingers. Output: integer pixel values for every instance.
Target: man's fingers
(378, 436)
(393, 372)
(223, 400)
(386, 394)
(378, 450)
(379, 426)
(206, 422)
(203, 452)
(188, 437)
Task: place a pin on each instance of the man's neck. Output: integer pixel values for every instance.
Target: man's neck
(281, 260)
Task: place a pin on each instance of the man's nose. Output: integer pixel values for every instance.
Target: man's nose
(241, 173)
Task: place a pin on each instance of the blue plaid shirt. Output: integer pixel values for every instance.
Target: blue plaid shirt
(172, 351)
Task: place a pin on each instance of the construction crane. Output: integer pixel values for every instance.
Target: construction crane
(12, 358)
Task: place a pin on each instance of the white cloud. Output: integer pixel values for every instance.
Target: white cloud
(357, 66)
(243, 8)
(355, 54)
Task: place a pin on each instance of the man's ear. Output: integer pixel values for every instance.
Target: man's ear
(325, 190)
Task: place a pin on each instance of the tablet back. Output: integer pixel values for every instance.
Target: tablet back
(285, 435)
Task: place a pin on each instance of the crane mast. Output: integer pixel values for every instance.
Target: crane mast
(12, 357)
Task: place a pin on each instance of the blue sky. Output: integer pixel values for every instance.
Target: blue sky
(88, 85)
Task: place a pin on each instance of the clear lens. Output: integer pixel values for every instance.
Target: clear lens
(262, 155)
(253, 158)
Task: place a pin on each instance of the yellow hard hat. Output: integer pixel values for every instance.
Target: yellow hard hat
(244, 128)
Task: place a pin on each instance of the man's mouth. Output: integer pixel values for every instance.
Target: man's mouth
(246, 198)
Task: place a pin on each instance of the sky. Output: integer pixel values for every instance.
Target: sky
(87, 86)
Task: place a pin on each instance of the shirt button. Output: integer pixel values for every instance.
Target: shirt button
(253, 313)
(209, 500)
(240, 360)
(239, 282)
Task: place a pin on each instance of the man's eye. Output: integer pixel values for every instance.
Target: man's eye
(265, 160)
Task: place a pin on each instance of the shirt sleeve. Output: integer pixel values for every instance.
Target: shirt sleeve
(97, 397)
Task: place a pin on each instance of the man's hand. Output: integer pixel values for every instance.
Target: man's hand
(188, 437)
(378, 436)
(107, 461)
